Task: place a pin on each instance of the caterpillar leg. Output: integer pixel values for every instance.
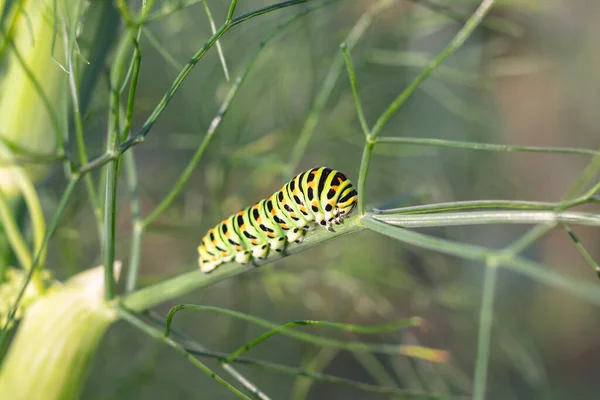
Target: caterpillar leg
(207, 266)
(260, 252)
(243, 257)
(278, 244)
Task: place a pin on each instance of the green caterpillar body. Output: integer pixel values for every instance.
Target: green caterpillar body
(320, 196)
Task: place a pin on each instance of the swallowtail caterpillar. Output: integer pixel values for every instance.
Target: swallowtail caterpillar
(317, 197)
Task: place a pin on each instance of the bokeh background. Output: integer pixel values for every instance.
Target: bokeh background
(531, 78)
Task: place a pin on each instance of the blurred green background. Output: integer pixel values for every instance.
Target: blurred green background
(531, 79)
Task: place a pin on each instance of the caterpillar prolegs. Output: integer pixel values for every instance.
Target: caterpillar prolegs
(320, 196)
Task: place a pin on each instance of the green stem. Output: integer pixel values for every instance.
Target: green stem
(110, 198)
(362, 176)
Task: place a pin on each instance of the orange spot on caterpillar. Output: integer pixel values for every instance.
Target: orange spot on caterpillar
(259, 220)
(239, 248)
(271, 234)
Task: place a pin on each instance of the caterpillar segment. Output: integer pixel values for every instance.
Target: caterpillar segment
(319, 196)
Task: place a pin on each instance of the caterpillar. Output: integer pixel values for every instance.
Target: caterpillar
(317, 197)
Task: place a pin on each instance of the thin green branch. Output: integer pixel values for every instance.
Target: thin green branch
(13, 234)
(485, 331)
(136, 219)
(83, 158)
(166, 10)
(528, 239)
(538, 272)
(283, 369)
(213, 28)
(265, 10)
(500, 25)
(483, 204)
(485, 146)
(415, 59)
(117, 74)
(588, 257)
(255, 391)
(231, 10)
(215, 123)
(139, 137)
(488, 217)
(353, 85)
(155, 333)
(162, 51)
(346, 327)
(590, 171)
(456, 42)
(454, 45)
(437, 355)
(312, 119)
